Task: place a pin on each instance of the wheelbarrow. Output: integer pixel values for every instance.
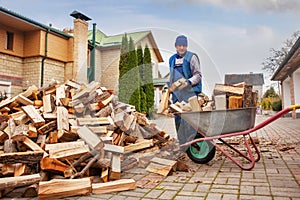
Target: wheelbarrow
(221, 124)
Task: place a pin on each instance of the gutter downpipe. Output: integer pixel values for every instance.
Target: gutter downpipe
(91, 71)
(45, 56)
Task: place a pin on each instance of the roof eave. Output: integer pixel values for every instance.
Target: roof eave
(285, 61)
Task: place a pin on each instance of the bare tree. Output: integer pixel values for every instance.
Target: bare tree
(271, 64)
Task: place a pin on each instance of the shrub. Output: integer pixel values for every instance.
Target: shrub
(277, 105)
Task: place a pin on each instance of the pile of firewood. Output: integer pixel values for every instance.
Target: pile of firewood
(73, 139)
(234, 96)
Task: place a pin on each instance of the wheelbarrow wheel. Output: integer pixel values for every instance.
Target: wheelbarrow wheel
(201, 152)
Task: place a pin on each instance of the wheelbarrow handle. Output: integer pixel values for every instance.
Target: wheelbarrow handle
(294, 107)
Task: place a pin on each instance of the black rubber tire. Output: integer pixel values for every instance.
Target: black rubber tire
(203, 160)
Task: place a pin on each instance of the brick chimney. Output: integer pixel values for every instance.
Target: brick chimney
(80, 46)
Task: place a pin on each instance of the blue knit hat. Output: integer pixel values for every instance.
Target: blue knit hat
(181, 40)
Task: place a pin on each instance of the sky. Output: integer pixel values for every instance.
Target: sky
(229, 36)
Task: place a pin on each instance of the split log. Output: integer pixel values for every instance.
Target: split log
(29, 91)
(87, 90)
(93, 121)
(73, 84)
(222, 88)
(48, 103)
(31, 191)
(235, 102)
(60, 93)
(32, 132)
(175, 108)
(115, 172)
(28, 157)
(3, 136)
(34, 116)
(163, 106)
(62, 118)
(12, 182)
(23, 100)
(47, 127)
(89, 137)
(113, 186)
(159, 169)
(52, 137)
(104, 175)
(21, 169)
(105, 102)
(79, 108)
(193, 101)
(138, 146)
(70, 153)
(57, 188)
(166, 162)
(53, 165)
(129, 163)
(114, 148)
(28, 142)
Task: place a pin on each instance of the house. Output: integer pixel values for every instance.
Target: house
(108, 54)
(256, 80)
(34, 53)
(288, 74)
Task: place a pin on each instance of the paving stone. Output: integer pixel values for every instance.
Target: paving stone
(229, 197)
(213, 196)
(154, 194)
(168, 194)
(255, 197)
(189, 187)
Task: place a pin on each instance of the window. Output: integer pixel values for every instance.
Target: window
(9, 40)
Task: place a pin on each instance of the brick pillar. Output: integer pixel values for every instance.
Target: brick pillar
(80, 50)
(292, 93)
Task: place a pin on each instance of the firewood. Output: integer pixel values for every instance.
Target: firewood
(60, 93)
(50, 116)
(93, 107)
(41, 140)
(222, 88)
(93, 121)
(8, 170)
(113, 186)
(79, 108)
(113, 148)
(62, 118)
(47, 128)
(105, 102)
(166, 162)
(73, 84)
(9, 146)
(193, 101)
(31, 191)
(63, 146)
(104, 175)
(89, 137)
(28, 157)
(3, 125)
(38, 103)
(57, 188)
(23, 100)
(159, 169)
(90, 163)
(164, 102)
(53, 165)
(175, 108)
(87, 90)
(12, 182)
(144, 161)
(21, 169)
(28, 142)
(52, 138)
(34, 116)
(48, 103)
(3, 136)
(138, 146)
(115, 172)
(104, 112)
(235, 102)
(32, 132)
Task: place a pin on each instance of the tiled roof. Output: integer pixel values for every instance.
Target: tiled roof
(249, 79)
(107, 41)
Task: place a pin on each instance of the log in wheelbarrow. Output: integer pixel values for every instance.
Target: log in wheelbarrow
(221, 124)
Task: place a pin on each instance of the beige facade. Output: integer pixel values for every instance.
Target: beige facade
(107, 62)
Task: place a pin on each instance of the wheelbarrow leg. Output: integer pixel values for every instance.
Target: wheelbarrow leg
(238, 163)
(242, 154)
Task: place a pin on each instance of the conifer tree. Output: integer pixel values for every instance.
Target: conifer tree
(148, 83)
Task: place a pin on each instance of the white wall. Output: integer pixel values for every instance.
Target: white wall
(297, 87)
(286, 92)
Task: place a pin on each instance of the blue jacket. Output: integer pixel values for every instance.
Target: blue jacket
(187, 73)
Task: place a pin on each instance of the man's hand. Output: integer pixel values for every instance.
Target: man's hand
(179, 85)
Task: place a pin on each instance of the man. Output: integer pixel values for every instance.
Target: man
(184, 64)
